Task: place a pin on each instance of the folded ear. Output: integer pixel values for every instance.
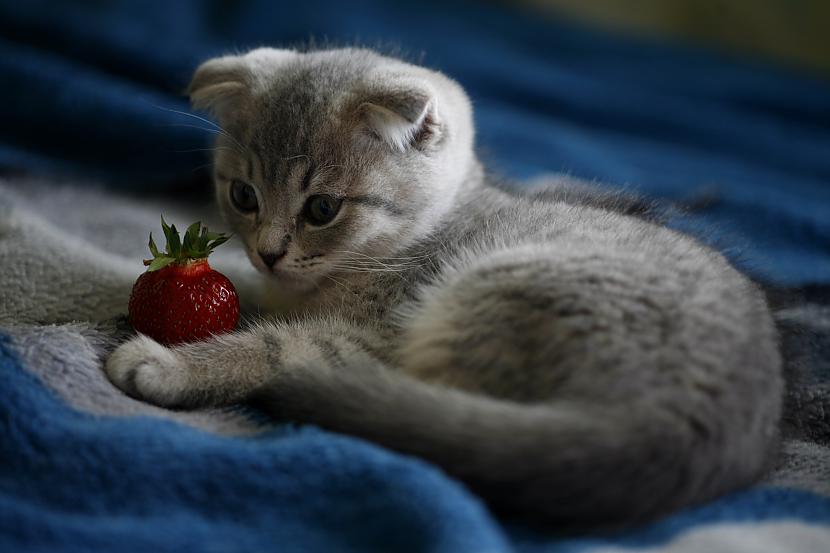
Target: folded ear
(402, 117)
(220, 85)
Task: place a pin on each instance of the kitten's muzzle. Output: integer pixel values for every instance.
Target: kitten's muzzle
(271, 258)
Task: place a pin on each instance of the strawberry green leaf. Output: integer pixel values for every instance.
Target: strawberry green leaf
(174, 244)
(187, 246)
(166, 228)
(192, 246)
(160, 262)
(153, 249)
(198, 242)
(193, 231)
(218, 242)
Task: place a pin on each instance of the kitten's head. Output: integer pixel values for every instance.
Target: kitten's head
(328, 157)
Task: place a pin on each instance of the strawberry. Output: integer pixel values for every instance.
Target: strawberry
(180, 298)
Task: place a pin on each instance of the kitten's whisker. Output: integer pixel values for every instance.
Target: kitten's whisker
(202, 166)
(384, 261)
(393, 263)
(422, 256)
(213, 124)
(365, 269)
(220, 131)
(337, 282)
(354, 270)
(379, 262)
(371, 265)
(343, 282)
(192, 126)
(187, 114)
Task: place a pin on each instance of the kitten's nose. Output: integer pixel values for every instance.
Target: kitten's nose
(270, 258)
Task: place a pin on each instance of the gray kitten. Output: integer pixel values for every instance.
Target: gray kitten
(568, 361)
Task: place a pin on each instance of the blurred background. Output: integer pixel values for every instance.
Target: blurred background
(787, 31)
(722, 103)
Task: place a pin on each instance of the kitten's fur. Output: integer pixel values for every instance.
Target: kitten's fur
(570, 362)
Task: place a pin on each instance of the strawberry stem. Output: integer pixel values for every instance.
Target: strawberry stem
(198, 243)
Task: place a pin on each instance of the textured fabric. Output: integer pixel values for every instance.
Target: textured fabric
(86, 90)
(85, 468)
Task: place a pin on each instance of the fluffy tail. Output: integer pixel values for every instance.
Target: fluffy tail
(570, 464)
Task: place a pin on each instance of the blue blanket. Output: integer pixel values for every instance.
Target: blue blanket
(87, 91)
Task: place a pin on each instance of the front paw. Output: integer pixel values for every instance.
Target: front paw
(146, 370)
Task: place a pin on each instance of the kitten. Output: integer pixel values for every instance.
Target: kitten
(570, 362)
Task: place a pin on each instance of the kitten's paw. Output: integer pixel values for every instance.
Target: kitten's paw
(146, 370)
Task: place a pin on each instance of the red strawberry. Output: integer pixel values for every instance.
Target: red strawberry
(180, 298)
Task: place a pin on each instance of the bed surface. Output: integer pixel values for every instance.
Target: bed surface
(88, 93)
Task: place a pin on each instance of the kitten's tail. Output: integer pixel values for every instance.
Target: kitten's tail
(571, 464)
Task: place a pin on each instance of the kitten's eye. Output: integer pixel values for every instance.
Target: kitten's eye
(243, 197)
(321, 209)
